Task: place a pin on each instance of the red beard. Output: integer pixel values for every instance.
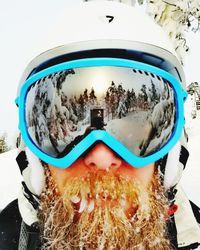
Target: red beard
(104, 212)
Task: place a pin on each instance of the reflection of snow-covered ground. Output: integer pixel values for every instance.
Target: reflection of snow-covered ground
(10, 177)
(131, 127)
(136, 127)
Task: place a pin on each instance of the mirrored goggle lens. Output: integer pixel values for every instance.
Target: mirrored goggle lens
(136, 107)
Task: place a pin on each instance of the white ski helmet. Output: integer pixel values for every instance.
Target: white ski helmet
(105, 25)
(111, 29)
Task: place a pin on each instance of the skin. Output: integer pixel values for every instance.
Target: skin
(101, 158)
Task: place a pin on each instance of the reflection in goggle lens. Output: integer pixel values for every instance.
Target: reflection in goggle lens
(134, 106)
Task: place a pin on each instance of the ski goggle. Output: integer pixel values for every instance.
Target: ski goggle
(134, 108)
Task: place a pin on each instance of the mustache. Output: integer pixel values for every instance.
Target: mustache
(101, 188)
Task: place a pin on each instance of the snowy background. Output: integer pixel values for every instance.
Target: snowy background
(21, 22)
(191, 175)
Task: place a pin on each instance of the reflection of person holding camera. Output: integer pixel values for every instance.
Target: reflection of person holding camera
(100, 193)
(97, 118)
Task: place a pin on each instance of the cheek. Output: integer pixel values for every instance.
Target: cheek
(60, 176)
(143, 174)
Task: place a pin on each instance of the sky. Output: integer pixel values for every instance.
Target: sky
(21, 22)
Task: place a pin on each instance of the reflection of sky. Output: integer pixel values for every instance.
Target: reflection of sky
(100, 78)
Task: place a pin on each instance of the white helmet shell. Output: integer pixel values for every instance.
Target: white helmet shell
(106, 25)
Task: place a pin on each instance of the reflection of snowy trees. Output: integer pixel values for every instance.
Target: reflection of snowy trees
(142, 100)
(161, 124)
(48, 117)
(119, 101)
(55, 115)
(154, 96)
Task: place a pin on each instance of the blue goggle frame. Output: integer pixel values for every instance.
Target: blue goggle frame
(101, 135)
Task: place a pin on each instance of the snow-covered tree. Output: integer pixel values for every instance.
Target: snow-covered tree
(81, 106)
(85, 95)
(3, 144)
(154, 96)
(113, 99)
(176, 17)
(142, 99)
(121, 107)
(92, 96)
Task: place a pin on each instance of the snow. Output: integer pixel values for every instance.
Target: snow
(10, 177)
(191, 175)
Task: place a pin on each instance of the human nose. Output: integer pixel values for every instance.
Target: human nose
(102, 157)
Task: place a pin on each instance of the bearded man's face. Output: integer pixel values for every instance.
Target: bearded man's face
(101, 202)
